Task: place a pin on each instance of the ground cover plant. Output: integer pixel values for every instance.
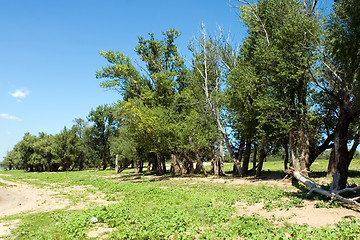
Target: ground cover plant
(163, 207)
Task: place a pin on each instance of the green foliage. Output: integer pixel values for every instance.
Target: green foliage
(98, 136)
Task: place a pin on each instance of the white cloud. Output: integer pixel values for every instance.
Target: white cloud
(20, 93)
(9, 117)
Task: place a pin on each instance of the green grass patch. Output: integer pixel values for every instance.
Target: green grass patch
(174, 208)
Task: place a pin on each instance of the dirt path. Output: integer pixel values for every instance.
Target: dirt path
(309, 214)
(21, 198)
(18, 198)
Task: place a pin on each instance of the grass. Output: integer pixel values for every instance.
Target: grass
(172, 208)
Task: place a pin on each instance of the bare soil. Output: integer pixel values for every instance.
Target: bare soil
(21, 198)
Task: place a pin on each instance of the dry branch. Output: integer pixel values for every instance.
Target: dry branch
(311, 184)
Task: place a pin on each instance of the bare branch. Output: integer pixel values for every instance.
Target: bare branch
(318, 84)
(333, 195)
(145, 70)
(258, 18)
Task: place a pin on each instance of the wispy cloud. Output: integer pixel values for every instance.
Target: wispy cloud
(9, 117)
(20, 93)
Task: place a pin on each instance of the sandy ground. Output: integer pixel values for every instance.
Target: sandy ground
(309, 214)
(20, 198)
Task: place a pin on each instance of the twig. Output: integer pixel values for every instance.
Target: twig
(258, 18)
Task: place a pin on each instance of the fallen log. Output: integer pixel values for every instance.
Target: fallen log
(312, 185)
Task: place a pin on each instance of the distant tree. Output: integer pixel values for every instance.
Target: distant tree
(26, 149)
(66, 150)
(43, 153)
(11, 160)
(104, 126)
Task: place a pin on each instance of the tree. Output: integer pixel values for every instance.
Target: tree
(11, 160)
(103, 128)
(25, 148)
(208, 67)
(155, 106)
(66, 150)
(341, 81)
(81, 129)
(280, 46)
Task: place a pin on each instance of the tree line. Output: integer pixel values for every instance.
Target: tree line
(292, 86)
(85, 145)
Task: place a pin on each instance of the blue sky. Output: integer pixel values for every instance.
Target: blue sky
(49, 52)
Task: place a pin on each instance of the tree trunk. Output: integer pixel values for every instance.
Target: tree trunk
(175, 165)
(213, 161)
(304, 152)
(261, 162)
(254, 159)
(292, 144)
(246, 161)
(353, 148)
(116, 164)
(199, 158)
(331, 164)
(199, 163)
(286, 157)
(187, 164)
(239, 157)
(217, 166)
(341, 157)
(316, 151)
(138, 166)
(221, 158)
(160, 163)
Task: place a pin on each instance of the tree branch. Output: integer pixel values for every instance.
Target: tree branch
(334, 195)
(258, 18)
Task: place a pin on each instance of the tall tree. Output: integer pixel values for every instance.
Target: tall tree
(341, 80)
(151, 102)
(209, 68)
(280, 46)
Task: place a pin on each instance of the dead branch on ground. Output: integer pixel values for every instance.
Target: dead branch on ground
(312, 185)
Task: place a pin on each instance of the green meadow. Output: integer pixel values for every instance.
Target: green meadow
(146, 206)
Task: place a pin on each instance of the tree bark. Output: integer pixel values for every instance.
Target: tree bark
(116, 164)
(286, 157)
(304, 152)
(331, 164)
(175, 165)
(316, 151)
(160, 164)
(221, 158)
(246, 161)
(353, 147)
(239, 156)
(341, 157)
(293, 152)
(254, 159)
(139, 166)
(199, 163)
(312, 185)
(187, 164)
(261, 162)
